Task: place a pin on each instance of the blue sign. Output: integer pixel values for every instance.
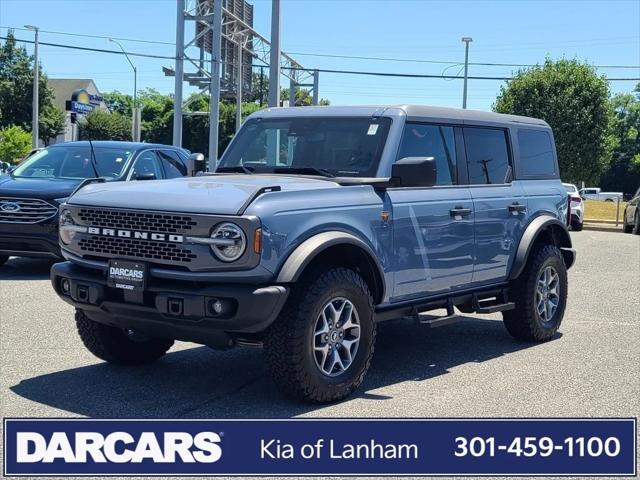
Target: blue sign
(69, 447)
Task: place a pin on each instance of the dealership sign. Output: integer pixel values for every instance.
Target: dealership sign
(70, 447)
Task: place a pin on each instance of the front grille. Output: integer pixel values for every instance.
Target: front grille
(145, 221)
(128, 247)
(25, 210)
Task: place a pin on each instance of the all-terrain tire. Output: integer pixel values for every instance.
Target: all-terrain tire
(3, 259)
(112, 345)
(524, 322)
(289, 342)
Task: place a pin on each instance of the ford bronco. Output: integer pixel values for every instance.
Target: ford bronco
(317, 224)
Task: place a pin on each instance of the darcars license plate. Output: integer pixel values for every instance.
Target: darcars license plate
(127, 275)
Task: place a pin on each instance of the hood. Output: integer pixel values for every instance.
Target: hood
(210, 194)
(44, 188)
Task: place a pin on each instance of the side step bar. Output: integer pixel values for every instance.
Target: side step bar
(498, 302)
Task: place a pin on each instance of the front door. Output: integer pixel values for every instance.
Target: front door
(432, 227)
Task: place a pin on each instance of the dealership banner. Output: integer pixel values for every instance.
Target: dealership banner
(562, 446)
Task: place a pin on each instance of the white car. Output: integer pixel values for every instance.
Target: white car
(594, 193)
(577, 207)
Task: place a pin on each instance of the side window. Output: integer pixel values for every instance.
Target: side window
(536, 152)
(487, 156)
(147, 163)
(172, 164)
(420, 140)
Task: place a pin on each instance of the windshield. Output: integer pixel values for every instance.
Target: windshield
(74, 162)
(329, 146)
(571, 188)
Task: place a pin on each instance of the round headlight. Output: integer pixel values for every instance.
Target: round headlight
(229, 242)
(68, 227)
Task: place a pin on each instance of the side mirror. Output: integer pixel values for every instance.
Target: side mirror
(145, 176)
(415, 172)
(195, 164)
(11, 168)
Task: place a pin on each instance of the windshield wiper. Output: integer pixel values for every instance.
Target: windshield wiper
(235, 169)
(305, 171)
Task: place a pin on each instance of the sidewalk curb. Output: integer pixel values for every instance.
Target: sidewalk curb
(602, 227)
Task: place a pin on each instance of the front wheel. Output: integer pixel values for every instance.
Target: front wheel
(320, 347)
(116, 346)
(540, 295)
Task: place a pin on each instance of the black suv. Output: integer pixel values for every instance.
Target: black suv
(31, 193)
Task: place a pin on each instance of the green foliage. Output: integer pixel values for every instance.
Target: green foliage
(16, 85)
(624, 172)
(572, 98)
(102, 125)
(15, 143)
(51, 123)
(118, 102)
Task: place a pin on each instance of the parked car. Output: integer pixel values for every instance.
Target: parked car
(631, 216)
(317, 224)
(31, 193)
(598, 194)
(576, 205)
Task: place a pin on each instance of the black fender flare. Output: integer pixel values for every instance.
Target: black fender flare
(561, 237)
(304, 254)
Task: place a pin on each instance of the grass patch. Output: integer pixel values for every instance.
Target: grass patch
(599, 211)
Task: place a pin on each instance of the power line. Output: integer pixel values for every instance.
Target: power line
(330, 55)
(443, 62)
(322, 70)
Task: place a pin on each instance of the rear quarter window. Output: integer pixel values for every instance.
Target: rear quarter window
(536, 153)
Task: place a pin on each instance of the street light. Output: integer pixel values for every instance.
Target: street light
(136, 128)
(466, 40)
(36, 81)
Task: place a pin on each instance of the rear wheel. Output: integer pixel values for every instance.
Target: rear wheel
(114, 345)
(636, 223)
(540, 295)
(626, 227)
(576, 225)
(320, 347)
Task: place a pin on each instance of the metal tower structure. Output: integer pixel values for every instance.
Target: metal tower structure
(216, 40)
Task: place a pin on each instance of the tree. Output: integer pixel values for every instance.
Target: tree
(575, 102)
(121, 103)
(16, 85)
(624, 172)
(51, 123)
(102, 125)
(15, 143)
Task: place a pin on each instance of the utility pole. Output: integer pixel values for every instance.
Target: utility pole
(135, 124)
(316, 85)
(36, 84)
(274, 56)
(292, 93)
(239, 86)
(466, 41)
(214, 85)
(179, 72)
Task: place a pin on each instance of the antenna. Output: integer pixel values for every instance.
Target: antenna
(94, 162)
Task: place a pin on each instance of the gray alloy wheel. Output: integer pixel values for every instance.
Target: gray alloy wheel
(336, 337)
(547, 293)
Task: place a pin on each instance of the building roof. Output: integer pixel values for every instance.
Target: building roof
(63, 88)
(412, 112)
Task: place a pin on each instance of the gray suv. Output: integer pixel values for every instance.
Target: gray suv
(317, 224)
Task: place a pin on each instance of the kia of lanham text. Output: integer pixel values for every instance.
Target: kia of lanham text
(276, 449)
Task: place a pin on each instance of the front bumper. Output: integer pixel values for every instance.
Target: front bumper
(173, 309)
(39, 240)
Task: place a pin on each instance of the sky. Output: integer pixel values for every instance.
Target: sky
(522, 32)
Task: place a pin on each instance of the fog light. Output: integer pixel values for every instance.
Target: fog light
(65, 286)
(216, 306)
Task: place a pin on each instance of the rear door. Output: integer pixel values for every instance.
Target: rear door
(432, 226)
(499, 203)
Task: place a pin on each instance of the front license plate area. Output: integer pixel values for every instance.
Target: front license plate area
(127, 275)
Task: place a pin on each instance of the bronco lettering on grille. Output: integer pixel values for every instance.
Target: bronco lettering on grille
(113, 232)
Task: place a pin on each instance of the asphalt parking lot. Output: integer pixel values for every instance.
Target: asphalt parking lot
(473, 368)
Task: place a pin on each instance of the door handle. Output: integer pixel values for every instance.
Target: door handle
(460, 212)
(517, 208)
